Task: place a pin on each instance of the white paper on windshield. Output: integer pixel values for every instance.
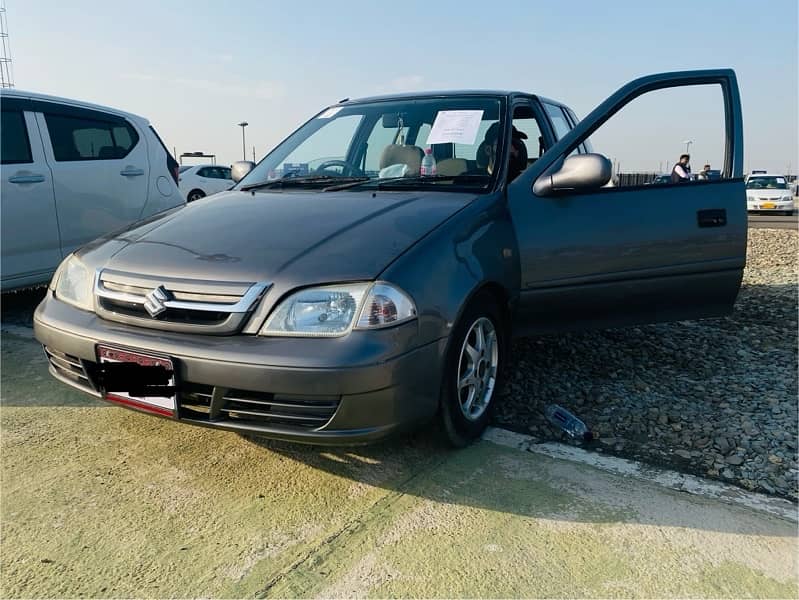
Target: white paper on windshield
(455, 127)
(330, 112)
(780, 181)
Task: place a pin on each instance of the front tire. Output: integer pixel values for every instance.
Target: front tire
(473, 371)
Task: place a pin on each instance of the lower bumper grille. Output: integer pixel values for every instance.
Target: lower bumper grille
(70, 368)
(200, 402)
(207, 403)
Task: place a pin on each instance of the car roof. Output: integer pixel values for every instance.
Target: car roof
(431, 94)
(753, 175)
(23, 94)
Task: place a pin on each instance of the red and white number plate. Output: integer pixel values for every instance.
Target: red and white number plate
(160, 405)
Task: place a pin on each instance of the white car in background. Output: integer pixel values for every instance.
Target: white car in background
(768, 192)
(72, 172)
(199, 181)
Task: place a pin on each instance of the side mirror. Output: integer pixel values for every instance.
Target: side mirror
(239, 169)
(579, 172)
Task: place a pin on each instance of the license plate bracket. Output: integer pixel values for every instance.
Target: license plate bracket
(138, 380)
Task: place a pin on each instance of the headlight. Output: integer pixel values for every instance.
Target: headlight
(72, 283)
(334, 310)
(785, 199)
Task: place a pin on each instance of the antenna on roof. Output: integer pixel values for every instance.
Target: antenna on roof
(6, 70)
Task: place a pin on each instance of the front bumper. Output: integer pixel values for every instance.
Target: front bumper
(378, 382)
(770, 206)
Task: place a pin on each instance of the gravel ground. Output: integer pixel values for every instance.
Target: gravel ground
(716, 397)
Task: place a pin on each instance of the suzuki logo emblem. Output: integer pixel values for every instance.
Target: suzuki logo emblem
(155, 301)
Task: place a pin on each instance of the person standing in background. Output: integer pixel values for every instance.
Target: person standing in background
(681, 172)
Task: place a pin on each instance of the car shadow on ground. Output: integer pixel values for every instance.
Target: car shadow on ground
(18, 307)
(488, 477)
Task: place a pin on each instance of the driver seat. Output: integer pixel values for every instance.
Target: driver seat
(394, 154)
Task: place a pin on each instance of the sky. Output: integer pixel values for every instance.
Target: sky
(196, 69)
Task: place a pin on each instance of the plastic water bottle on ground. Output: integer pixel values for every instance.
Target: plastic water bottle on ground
(428, 163)
(568, 423)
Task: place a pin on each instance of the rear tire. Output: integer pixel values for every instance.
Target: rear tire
(473, 371)
(195, 195)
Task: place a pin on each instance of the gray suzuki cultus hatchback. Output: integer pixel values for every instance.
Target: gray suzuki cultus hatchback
(367, 275)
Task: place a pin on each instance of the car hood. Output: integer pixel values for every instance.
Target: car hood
(297, 238)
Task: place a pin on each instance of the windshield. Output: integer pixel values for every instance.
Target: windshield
(767, 183)
(387, 140)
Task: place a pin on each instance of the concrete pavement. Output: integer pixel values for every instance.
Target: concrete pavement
(103, 502)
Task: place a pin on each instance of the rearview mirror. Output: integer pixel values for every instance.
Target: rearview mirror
(579, 172)
(239, 169)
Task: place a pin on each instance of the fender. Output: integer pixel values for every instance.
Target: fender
(475, 248)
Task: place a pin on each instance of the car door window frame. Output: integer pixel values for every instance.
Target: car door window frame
(541, 121)
(104, 121)
(582, 148)
(733, 157)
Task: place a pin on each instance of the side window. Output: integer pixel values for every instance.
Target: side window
(224, 172)
(525, 123)
(585, 147)
(14, 143)
(94, 142)
(122, 137)
(558, 119)
(560, 122)
(672, 136)
(77, 138)
(204, 172)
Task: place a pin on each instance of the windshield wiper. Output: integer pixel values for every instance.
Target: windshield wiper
(401, 181)
(298, 181)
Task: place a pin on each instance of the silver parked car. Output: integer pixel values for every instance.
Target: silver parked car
(71, 172)
(367, 275)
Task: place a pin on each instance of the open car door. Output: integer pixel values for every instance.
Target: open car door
(597, 255)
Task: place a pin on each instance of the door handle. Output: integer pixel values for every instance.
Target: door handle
(26, 179)
(131, 172)
(711, 217)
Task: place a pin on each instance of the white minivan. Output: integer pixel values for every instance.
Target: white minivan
(71, 172)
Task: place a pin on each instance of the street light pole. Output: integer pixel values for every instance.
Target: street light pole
(243, 124)
(688, 145)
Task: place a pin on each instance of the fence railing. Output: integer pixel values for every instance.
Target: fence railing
(628, 179)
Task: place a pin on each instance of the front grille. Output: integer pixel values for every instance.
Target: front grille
(170, 315)
(196, 306)
(70, 368)
(207, 403)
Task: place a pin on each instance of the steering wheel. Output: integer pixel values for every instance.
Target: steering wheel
(347, 168)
